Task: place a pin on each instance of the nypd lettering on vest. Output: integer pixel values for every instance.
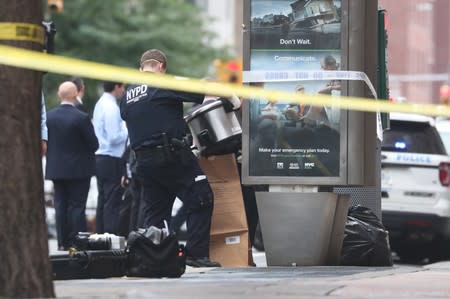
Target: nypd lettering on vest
(137, 93)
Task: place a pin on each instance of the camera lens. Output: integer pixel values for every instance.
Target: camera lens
(99, 244)
(81, 241)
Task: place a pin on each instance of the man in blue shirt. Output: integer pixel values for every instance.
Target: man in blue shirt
(112, 136)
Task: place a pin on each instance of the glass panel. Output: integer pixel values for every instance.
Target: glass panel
(292, 139)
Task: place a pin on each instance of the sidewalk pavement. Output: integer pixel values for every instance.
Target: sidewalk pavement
(274, 282)
(400, 281)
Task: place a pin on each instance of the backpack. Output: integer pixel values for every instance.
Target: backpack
(155, 252)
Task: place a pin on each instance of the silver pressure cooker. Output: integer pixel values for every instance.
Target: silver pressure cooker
(215, 128)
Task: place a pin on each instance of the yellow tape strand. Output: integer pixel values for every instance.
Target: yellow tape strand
(22, 32)
(58, 64)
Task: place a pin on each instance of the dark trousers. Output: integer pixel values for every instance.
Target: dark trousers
(136, 215)
(199, 205)
(163, 176)
(70, 209)
(130, 217)
(109, 171)
(157, 207)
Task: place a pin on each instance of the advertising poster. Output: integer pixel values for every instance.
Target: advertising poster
(295, 139)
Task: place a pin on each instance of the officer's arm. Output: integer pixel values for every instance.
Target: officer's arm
(189, 96)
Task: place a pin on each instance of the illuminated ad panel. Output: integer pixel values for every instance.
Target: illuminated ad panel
(285, 139)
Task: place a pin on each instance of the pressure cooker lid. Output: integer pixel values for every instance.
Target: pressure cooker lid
(203, 108)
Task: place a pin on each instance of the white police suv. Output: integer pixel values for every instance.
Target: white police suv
(415, 178)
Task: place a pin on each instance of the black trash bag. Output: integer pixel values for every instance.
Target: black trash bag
(155, 252)
(366, 240)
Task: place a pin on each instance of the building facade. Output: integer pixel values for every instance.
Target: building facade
(418, 42)
(418, 48)
(226, 21)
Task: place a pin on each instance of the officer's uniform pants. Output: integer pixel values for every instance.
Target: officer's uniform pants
(164, 176)
(136, 212)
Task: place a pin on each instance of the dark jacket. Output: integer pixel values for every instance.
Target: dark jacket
(150, 111)
(71, 144)
(80, 106)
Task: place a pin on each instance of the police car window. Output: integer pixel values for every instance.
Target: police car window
(446, 139)
(412, 137)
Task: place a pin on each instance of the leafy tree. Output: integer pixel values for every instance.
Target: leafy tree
(118, 32)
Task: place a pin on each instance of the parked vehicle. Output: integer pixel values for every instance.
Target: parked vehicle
(415, 178)
(443, 127)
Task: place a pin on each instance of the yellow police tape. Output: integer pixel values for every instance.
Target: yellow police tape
(58, 64)
(22, 32)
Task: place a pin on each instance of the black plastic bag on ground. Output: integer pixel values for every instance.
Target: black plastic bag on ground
(155, 252)
(366, 240)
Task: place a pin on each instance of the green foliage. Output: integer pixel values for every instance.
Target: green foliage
(117, 32)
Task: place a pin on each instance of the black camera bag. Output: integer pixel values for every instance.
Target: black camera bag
(89, 264)
(147, 259)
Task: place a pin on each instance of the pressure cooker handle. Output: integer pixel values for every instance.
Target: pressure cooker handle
(203, 137)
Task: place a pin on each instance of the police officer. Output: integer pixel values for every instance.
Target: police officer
(165, 164)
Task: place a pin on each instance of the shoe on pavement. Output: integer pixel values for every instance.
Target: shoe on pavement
(201, 262)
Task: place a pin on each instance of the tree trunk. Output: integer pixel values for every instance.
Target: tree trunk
(25, 269)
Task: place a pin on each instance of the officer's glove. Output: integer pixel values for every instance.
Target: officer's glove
(235, 101)
(231, 104)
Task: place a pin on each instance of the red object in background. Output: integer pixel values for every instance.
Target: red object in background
(444, 93)
(444, 90)
(233, 66)
(229, 71)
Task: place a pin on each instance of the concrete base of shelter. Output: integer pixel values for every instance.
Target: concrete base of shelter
(302, 229)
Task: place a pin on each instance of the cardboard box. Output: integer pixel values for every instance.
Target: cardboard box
(229, 231)
(230, 250)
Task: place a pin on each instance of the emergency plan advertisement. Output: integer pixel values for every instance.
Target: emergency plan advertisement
(292, 139)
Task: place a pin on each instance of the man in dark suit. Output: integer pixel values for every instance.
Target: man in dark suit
(70, 163)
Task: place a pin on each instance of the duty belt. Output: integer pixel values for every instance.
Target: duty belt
(164, 149)
(165, 142)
